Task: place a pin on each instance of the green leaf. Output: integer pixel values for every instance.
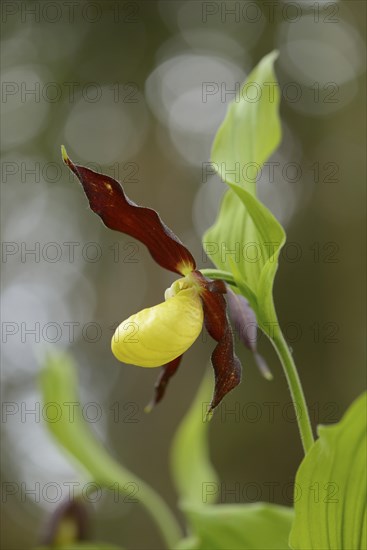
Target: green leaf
(238, 527)
(330, 495)
(192, 470)
(83, 546)
(58, 384)
(189, 543)
(251, 130)
(249, 230)
(246, 239)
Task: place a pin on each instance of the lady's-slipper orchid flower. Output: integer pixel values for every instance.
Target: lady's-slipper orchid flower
(158, 336)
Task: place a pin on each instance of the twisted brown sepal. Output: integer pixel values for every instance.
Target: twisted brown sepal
(160, 386)
(67, 525)
(227, 366)
(107, 199)
(245, 325)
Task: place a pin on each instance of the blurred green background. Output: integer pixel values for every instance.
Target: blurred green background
(124, 85)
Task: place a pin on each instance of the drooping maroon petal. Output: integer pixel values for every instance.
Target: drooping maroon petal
(107, 199)
(227, 366)
(160, 386)
(245, 325)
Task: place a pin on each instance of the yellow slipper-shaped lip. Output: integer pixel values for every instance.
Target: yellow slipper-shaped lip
(157, 335)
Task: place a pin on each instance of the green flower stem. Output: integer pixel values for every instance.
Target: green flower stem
(289, 367)
(295, 387)
(219, 274)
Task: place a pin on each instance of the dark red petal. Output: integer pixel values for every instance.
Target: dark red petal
(216, 286)
(107, 199)
(160, 386)
(245, 325)
(227, 366)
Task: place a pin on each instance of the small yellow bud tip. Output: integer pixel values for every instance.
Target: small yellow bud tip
(148, 408)
(64, 154)
(263, 367)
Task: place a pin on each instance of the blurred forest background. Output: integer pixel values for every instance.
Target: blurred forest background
(137, 89)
